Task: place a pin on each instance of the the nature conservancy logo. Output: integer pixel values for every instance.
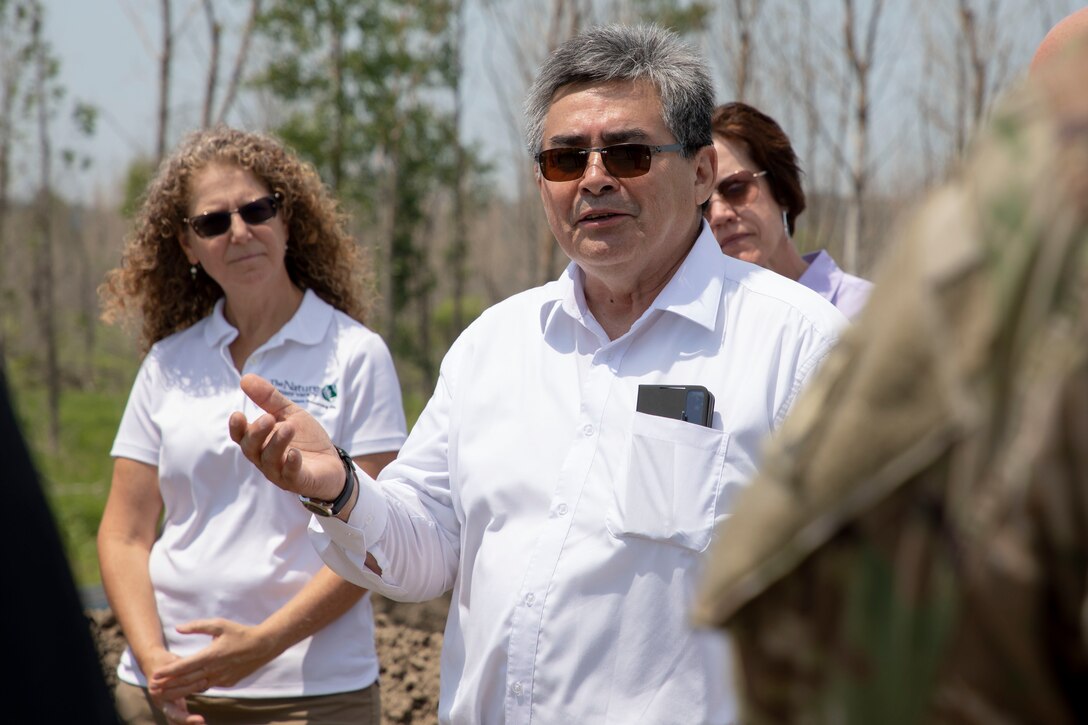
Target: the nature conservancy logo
(323, 396)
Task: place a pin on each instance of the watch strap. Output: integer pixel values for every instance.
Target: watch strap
(332, 508)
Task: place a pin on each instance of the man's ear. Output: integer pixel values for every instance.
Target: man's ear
(706, 172)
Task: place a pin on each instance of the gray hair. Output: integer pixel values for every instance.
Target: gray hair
(629, 53)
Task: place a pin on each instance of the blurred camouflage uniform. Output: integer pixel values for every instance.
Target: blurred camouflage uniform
(916, 548)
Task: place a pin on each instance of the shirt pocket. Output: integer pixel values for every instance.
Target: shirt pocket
(673, 481)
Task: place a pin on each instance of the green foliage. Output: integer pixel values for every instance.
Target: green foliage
(352, 74)
(85, 117)
(76, 478)
(682, 17)
(414, 402)
(137, 177)
(369, 87)
(445, 331)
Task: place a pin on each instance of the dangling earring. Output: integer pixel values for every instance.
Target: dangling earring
(785, 224)
(192, 272)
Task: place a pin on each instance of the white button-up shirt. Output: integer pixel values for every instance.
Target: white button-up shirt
(569, 526)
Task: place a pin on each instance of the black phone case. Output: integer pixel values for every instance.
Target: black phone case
(691, 403)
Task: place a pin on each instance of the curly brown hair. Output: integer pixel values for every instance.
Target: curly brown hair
(769, 147)
(152, 288)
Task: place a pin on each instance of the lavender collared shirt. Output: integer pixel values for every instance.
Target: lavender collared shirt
(845, 291)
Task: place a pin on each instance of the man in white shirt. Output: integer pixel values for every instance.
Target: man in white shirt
(569, 525)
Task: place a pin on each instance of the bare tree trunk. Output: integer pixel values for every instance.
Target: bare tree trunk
(392, 304)
(521, 28)
(570, 13)
(424, 303)
(960, 130)
(88, 290)
(859, 53)
(731, 44)
(239, 61)
(164, 80)
(745, 15)
(13, 42)
(459, 244)
(822, 95)
(42, 289)
(336, 72)
(215, 32)
(977, 64)
(979, 34)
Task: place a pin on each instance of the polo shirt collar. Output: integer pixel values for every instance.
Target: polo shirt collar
(307, 326)
(694, 292)
(823, 275)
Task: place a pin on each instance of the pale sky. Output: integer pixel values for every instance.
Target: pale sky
(107, 50)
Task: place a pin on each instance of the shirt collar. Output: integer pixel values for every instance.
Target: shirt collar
(694, 292)
(307, 326)
(822, 275)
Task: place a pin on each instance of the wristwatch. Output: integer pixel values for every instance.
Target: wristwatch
(331, 508)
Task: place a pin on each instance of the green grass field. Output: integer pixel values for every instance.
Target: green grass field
(76, 474)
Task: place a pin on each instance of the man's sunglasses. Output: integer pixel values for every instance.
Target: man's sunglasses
(215, 223)
(741, 188)
(623, 161)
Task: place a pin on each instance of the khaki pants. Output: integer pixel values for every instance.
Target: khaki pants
(361, 707)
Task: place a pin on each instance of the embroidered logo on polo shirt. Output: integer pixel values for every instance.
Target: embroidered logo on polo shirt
(322, 396)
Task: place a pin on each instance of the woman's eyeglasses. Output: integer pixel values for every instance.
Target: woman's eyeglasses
(215, 223)
(741, 188)
(623, 161)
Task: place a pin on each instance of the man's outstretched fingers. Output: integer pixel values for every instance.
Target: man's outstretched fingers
(237, 425)
(270, 441)
(287, 444)
(265, 395)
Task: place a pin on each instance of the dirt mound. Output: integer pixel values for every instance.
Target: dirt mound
(408, 637)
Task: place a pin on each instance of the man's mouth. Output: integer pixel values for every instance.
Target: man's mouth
(599, 216)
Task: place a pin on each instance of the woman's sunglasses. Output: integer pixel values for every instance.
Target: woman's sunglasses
(740, 189)
(215, 223)
(623, 161)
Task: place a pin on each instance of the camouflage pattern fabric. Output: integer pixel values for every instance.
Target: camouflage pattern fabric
(915, 549)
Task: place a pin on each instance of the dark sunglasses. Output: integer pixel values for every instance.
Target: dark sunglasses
(215, 223)
(741, 188)
(624, 161)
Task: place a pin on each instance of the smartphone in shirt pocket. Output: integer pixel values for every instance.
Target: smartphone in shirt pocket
(670, 490)
(691, 403)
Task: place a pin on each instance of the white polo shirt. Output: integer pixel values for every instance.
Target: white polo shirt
(233, 545)
(570, 527)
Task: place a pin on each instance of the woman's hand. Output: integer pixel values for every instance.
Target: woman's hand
(177, 713)
(236, 651)
(172, 702)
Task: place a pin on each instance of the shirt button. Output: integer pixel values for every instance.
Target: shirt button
(529, 599)
(587, 430)
(516, 689)
(562, 509)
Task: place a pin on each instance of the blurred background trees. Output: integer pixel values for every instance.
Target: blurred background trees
(411, 111)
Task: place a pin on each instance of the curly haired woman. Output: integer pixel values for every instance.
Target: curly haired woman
(239, 261)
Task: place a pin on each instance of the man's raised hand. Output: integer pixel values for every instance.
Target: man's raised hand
(287, 444)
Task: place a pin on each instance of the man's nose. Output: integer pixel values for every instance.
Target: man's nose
(597, 178)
